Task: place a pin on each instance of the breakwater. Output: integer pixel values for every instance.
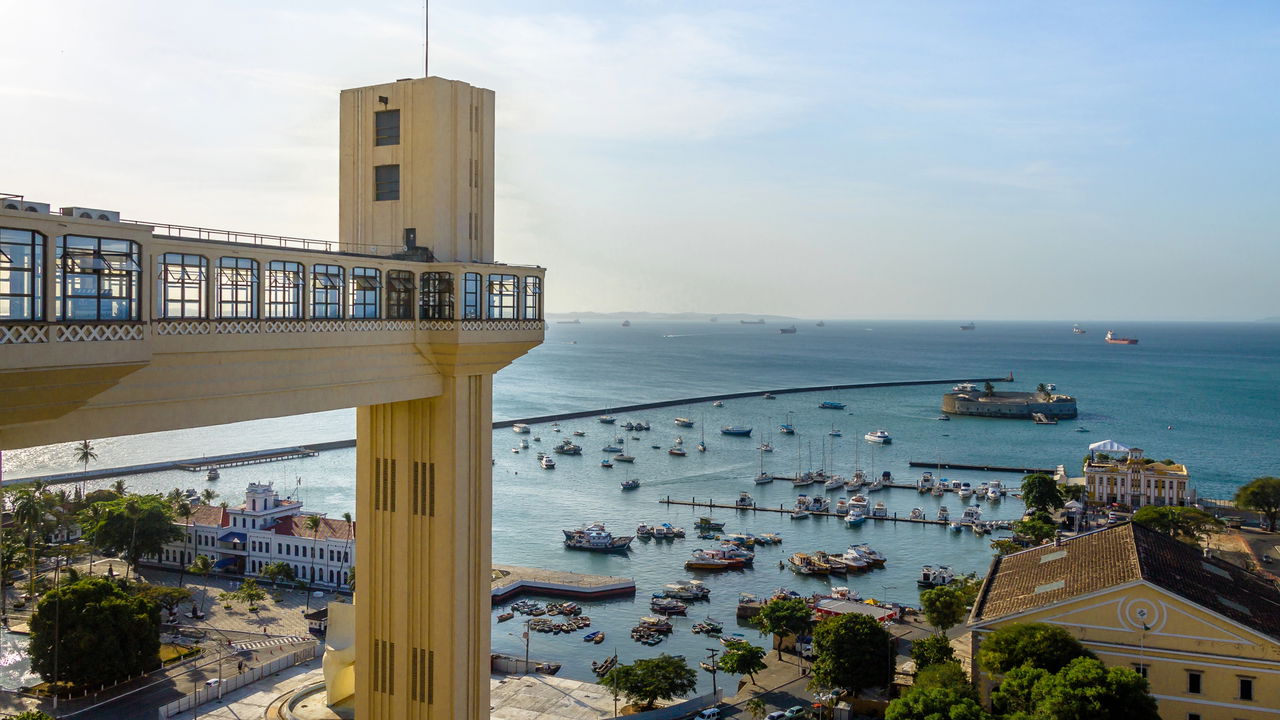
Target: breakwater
(984, 468)
(738, 395)
(275, 454)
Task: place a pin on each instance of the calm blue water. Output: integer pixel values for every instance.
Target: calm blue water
(1204, 394)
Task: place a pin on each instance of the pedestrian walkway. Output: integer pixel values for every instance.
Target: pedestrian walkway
(270, 642)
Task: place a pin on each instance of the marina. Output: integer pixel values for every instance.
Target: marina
(711, 504)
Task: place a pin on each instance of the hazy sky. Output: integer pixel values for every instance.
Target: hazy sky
(1067, 160)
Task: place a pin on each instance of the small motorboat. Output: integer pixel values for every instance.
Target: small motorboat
(765, 447)
(677, 451)
(630, 484)
(506, 616)
(831, 405)
(745, 500)
(916, 514)
(855, 517)
(607, 419)
(622, 457)
(701, 446)
(878, 436)
(547, 462)
(213, 474)
(579, 433)
(770, 396)
(718, 403)
(683, 422)
(740, 430)
(591, 636)
(606, 464)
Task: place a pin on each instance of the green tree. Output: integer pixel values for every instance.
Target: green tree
(208, 495)
(1075, 492)
(312, 524)
(32, 715)
(85, 454)
(946, 675)
(1039, 491)
(851, 652)
(1032, 644)
(133, 527)
(1084, 689)
(166, 596)
(346, 545)
(248, 593)
(649, 680)
(757, 708)
(1043, 391)
(935, 704)
(968, 585)
(10, 561)
(103, 634)
(90, 515)
(29, 517)
(1005, 546)
(743, 658)
(781, 617)
(1187, 524)
(99, 495)
(932, 650)
(944, 607)
(274, 572)
(1261, 494)
(119, 488)
(1036, 529)
(988, 389)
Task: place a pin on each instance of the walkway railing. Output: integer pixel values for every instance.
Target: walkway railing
(37, 333)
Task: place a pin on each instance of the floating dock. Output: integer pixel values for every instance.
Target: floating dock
(983, 468)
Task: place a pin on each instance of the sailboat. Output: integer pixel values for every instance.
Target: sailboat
(763, 477)
(702, 440)
(623, 456)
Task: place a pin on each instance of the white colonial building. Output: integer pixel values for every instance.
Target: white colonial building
(265, 528)
(1115, 473)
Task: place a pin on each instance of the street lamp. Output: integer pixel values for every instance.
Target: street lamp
(715, 693)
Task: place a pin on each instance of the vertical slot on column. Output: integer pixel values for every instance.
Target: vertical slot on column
(391, 668)
(413, 675)
(393, 485)
(377, 484)
(414, 486)
(431, 676)
(432, 500)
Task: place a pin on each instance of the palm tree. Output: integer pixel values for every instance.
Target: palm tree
(90, 516)
(208, 495)
(85, 454)
(133, 511)
(201, 566)
(28, 515)
(184, 511)
(346, 546)
(1043, 391)
(119, 487)
(312, 523)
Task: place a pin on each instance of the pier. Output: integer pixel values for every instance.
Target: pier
(712, 505)
(984, 468)
(511, 580)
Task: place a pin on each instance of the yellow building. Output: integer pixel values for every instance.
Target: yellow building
(110, 327)
(1205, 633)
(1114, 473)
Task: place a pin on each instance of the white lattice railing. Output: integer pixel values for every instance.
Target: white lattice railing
(98, 333)
(326, 326)
(183, 327)
(502, 325)
(23, 334)
(237, 327)
(435, 325)
(285, 326)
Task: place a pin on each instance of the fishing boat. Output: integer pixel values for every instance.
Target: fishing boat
(683, 422)
(506, 616)
(706, 560)
(740, 430)
(803, 564)
(835, 433)
(547, 463)
(630, 484)
(602, 668)
(687, 590)
(878, 436)
(745, 500)
(708, 523)
(677, 451)
(579, 433)
(567, 447)
(667, 606)
(831, 405)
(596, 637)
(607, 419)
(606, 464)
(1114, 339)
(520, 428)
(644, 531)
(964, 387)
(855, 517)
(595, 537)
(864, 551)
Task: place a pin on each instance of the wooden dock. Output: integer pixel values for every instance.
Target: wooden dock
(712, 505)
(239, 459)
(983, 468)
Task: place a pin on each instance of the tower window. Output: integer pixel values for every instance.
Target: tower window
(386, 182)
(386, 126)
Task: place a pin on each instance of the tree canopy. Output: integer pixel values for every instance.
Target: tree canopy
(935, 703)
(649, 680)
(946, 675)
(944, 607)
(784, 616)
(851, 652)
(932, 650)
(166, 596)
(1029, 644)
(1262, 494)
(1037, 529)
(1084, 689)
(1039, 491)
(274, 572)
(743, 658)
(132, 527)
(103, 633)
(1187, 524)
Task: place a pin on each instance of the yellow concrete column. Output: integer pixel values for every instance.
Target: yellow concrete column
(423, 547)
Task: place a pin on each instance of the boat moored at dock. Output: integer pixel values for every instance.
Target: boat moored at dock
(595, 537)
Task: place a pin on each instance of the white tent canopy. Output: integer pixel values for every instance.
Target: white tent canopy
(1108, 446)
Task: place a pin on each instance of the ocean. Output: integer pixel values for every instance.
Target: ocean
(1203, 394)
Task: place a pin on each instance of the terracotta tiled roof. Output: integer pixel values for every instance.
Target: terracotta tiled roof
(209, 516)
(1125, 553)
(330, 529)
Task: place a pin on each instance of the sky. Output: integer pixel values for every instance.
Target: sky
(896, 160)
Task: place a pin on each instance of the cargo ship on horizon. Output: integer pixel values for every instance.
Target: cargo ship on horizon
(1111, 338)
